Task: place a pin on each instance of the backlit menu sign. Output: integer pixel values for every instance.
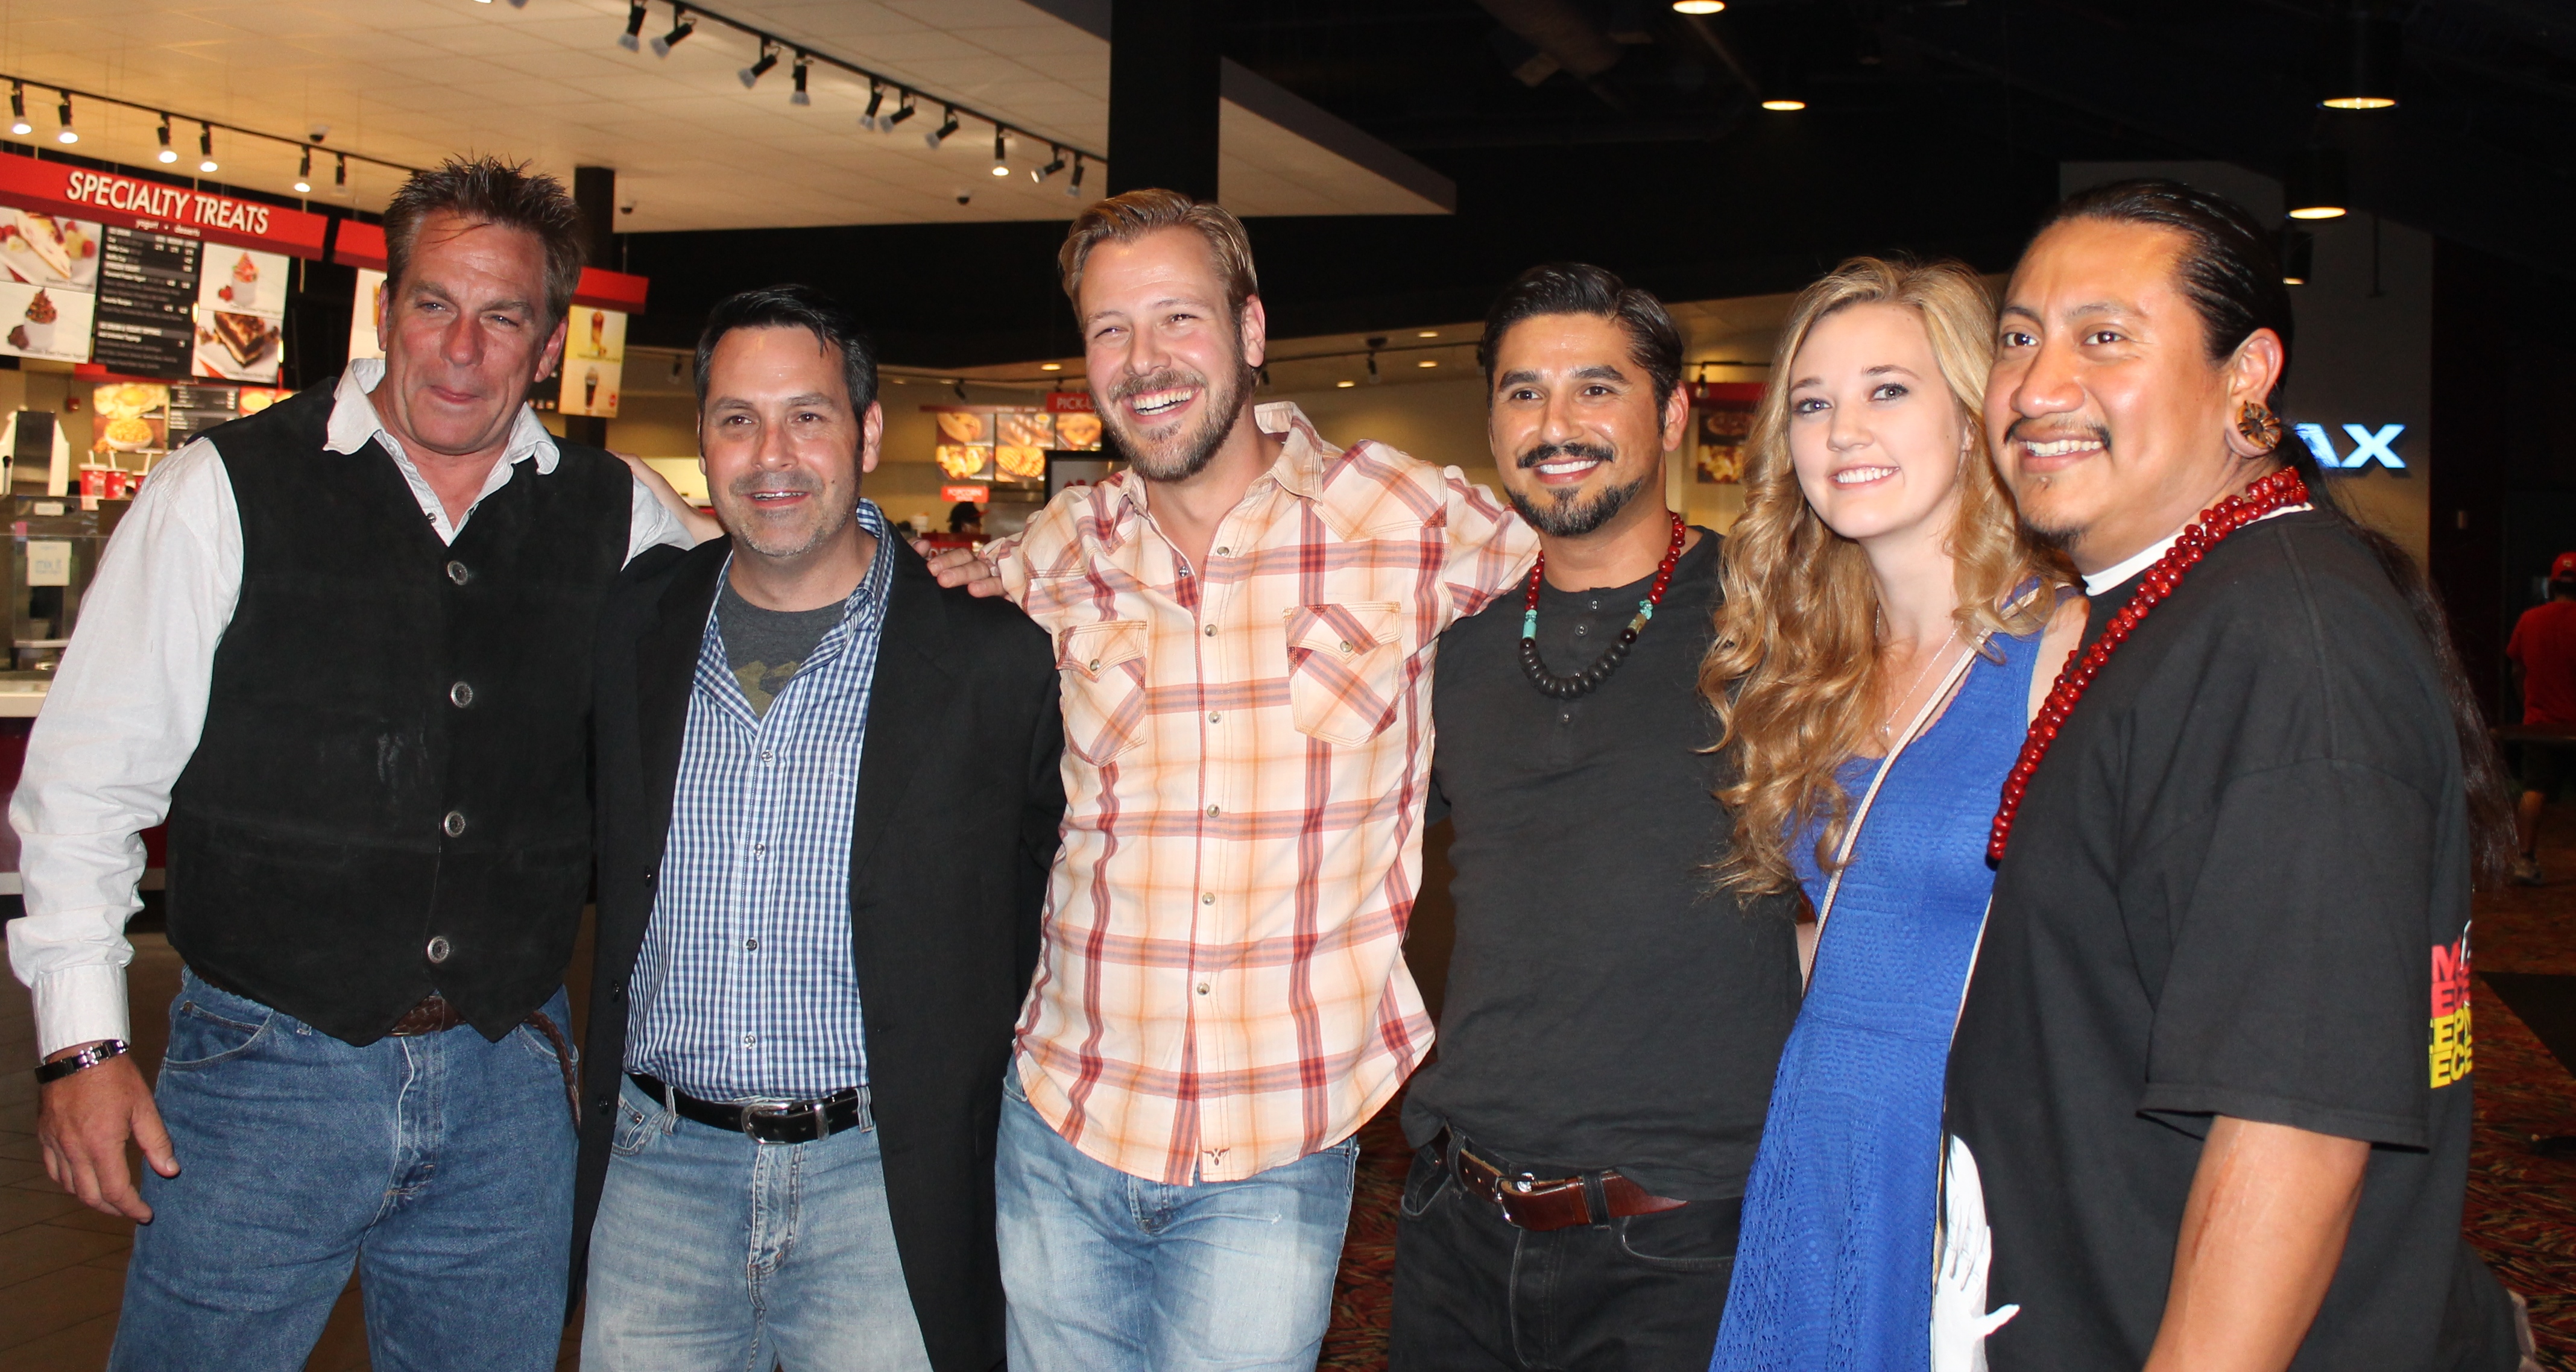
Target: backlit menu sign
(147, 296)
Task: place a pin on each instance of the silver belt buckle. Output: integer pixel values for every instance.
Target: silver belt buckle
(753, 1115)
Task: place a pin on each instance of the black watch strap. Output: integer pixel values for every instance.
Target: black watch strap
(81, 1061)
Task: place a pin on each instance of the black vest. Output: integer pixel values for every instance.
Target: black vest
(391, 793)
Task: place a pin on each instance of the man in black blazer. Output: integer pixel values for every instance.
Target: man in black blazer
(828, 802)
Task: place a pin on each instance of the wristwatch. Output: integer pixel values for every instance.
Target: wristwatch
(82, 1061)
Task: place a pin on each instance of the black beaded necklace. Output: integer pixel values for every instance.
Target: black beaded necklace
(1583, 682)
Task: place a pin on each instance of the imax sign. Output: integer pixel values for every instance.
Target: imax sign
(2368, 446)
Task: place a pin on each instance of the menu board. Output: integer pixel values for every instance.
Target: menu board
(1722, 422)
(241, 313)
(48, 285)
(147, 298)
(593, 356)
(1007, 443)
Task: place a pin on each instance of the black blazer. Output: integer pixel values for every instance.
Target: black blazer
(959, 801)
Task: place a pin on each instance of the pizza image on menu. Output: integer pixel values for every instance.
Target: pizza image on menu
(958, 426)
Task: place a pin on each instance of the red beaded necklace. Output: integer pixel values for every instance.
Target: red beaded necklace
(2280, 489)
(1581, 683)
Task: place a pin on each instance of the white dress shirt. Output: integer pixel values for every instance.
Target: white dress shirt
(129, 699)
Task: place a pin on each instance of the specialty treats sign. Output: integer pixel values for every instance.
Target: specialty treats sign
(594, 352)
(144, 277)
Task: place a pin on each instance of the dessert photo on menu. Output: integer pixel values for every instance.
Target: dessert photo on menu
(241, 308)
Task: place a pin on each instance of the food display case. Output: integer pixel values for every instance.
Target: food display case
(1009, 451)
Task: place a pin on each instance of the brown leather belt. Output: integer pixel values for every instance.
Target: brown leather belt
(435, 1015)
(1545, 1203)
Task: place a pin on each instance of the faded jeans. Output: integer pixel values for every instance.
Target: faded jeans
(714, 1252)
(1112, 1273)
(440, 1165)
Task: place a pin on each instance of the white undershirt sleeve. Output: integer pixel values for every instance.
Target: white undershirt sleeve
(118, 726)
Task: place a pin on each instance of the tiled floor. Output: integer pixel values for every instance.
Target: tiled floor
(62, 1265)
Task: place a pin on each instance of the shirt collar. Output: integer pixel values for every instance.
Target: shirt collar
(870, 593)
(355, 423)
(2103, 580)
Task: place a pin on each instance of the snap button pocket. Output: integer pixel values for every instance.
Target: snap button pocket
(459, 573)
(460, 695)
(1207, 898)
(454, 825)
(439, 948)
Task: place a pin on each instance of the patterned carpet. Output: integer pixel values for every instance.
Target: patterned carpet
(2521, 1210)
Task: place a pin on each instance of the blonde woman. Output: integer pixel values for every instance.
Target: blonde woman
(1885, 636)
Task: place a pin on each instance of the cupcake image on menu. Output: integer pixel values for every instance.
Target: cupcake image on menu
(242, 292)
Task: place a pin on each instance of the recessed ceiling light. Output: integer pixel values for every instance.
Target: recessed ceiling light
(1428, 333)
(1426, 362)
(1784, 106)
(1699, 6)
(1050, 366)
(1344, 385)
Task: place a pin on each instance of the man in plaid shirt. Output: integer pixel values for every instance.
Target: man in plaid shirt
(1244, 624)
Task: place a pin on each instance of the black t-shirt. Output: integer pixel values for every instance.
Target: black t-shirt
(2238, 885)
(1604, 1008)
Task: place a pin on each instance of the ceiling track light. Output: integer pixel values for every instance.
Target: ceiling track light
(798, 96)
(167, 153)
(1001, 153)
(68, 133)
(768, 58)
(683, 24)
(18, 110)
(633, 39)
(304, 174)
(902, 112)
(947, 126)
(1056, 164)
(2315, 185)
(1074, 186)
(340, 173)
(876, 99)
(2365, 70)
(206, 148)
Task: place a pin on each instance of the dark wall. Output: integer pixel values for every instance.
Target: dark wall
(2504, 415)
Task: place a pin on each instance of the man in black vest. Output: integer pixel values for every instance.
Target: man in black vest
(344, 645)
(828, 798)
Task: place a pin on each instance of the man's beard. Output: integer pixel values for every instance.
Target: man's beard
(829, 520)
(1185, 454)
(1566, 517)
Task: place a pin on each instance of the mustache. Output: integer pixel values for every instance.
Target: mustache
(756, 482)
(1160, 380)
(1549, 452)
(2021, 430)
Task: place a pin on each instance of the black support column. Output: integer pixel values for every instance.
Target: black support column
(1163, 63)
(594, 189)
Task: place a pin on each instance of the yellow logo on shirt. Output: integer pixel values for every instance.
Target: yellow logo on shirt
(2451, 1045)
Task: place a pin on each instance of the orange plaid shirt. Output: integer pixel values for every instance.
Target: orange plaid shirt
(1222, 988)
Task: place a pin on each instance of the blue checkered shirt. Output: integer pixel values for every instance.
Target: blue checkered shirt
(745, 988)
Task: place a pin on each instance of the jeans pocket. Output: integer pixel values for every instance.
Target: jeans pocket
(634, 1129)
(1423, 1184)
(205, 1030)
(1695, 1238)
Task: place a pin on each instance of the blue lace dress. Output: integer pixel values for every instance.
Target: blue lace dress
(1834, 1266)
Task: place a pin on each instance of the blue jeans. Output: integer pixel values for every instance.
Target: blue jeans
(441, 1165)
(1111, 1273)
(715, 1251)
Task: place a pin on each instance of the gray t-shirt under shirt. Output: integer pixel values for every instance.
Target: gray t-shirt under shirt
(766, 647)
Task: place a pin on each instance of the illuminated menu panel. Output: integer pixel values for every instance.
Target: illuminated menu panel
(147, 293)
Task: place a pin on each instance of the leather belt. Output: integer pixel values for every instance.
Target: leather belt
(795, 1121)
(435, 1014)
(1545, 1203)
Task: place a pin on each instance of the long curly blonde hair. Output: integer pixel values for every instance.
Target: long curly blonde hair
(1794, 673)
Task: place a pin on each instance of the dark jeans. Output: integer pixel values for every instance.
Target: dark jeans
(1473, 1291)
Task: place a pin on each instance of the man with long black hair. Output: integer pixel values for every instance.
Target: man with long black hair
(2213, 1067)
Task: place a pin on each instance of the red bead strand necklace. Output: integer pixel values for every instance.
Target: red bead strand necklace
(2275, 492)
(1583, 682)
